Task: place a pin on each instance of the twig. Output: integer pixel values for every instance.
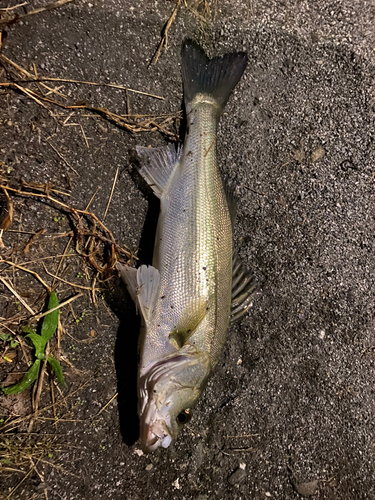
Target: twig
(84, 136)
(63, 159)
(26, 417)
(111, 194)
(29, 75)
(164, 39)
(19, 484)
(38, 391)
(30, 94)
(92, 198)
(41, 477)
(62, 258)
(113, 85)
(34, 237)
(45, 188)
(105, 406)
(93, 290)
(75, 211)
(127, 102)
(27, 271)
(244, 436)
(117, 119)
(9, 286)
(208, 150)
(6, 9)
(41, 315)
(53, 399)
(67, 282)
(50, 6)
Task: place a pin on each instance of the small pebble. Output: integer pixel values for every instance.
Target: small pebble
(176, 484)
(237, 477)
(306, 489)
(317, 154)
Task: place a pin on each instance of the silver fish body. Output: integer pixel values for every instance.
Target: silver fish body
(186, 297)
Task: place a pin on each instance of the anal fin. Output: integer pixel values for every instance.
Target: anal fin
(244, 287)
(157, 165)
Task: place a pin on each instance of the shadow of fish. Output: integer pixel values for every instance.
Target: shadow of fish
(196, 284)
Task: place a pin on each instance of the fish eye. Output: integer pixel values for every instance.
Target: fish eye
(184, 417)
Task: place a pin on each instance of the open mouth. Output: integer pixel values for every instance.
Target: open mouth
(155, 435)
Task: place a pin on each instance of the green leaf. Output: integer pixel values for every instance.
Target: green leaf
(50, 321)
(39, 343)
(5, 336)
(13, 343)
(27, 329)
(57, 369)
(30, 376)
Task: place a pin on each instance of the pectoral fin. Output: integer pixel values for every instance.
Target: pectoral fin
(143, 286)
(148, 278)
(244, 287)
(189, 321)
(129, 276)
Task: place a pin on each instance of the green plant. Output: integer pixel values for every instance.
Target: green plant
(6, 337)
(48, 328)
(78, 320)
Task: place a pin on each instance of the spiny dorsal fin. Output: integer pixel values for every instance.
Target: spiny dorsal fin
(244, 287)
(157, 164)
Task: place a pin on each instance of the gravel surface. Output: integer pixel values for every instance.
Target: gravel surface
(290, 410)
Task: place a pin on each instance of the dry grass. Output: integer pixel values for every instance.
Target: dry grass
(10, 17)
(200, 9)
(166, 124)
(16, 449)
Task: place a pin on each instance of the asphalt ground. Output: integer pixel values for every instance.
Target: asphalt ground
(289, 412)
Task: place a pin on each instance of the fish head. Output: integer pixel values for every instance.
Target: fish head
(166, 393)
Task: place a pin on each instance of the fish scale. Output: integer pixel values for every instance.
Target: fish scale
(195, 240)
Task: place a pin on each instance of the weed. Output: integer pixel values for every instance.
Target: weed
(49, 327)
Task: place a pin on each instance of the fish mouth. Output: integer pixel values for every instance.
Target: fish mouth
(155, 435)
(156, 425)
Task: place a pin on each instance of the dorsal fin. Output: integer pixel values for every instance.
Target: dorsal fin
(157, 164)
(244, 287)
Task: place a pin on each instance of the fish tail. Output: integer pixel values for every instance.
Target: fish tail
(216, 77)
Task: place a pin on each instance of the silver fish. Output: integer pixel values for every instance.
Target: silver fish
(196, 284)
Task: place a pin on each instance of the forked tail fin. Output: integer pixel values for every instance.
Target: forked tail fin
(216, 77)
